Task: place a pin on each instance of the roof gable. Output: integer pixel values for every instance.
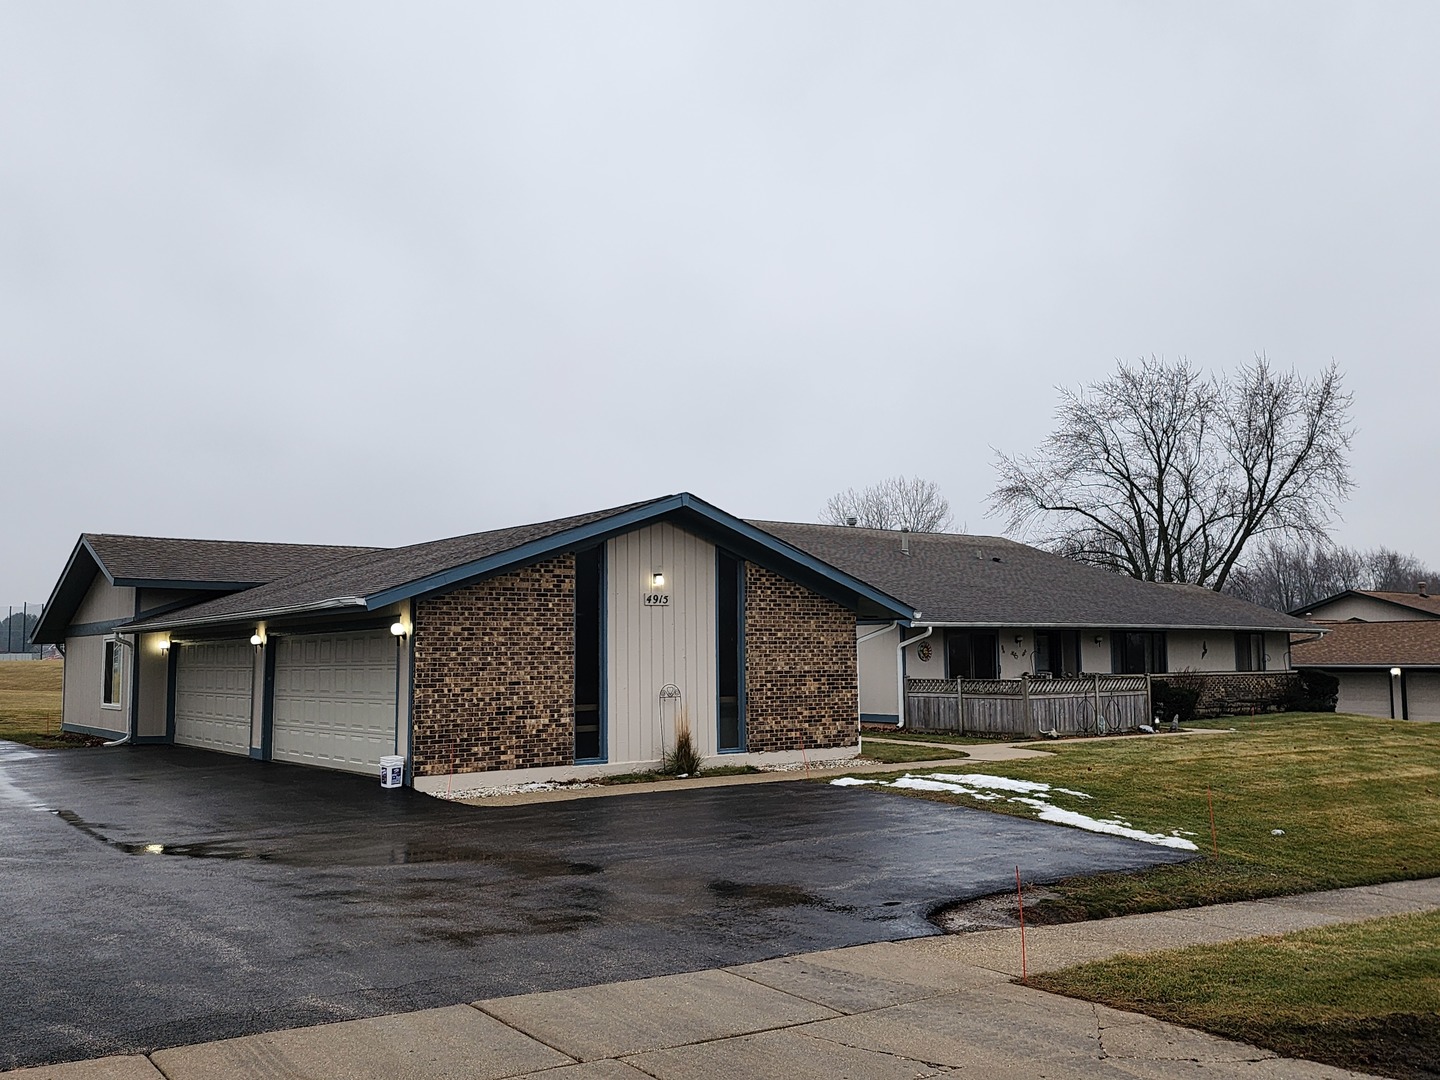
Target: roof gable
(379, 579)
(1415, 602)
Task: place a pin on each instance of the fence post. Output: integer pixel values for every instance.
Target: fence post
(960, 705)
(1150, 698)
(1025, 702)
(1096, 690)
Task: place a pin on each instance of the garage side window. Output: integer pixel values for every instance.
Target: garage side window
(1249, 652)
(110, 688)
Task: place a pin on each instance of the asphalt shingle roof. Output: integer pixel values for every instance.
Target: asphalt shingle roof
(377, 571)
(992, 581)
(1372, 644)
(159, 558)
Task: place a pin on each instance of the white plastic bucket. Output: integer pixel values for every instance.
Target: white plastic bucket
(392, 771)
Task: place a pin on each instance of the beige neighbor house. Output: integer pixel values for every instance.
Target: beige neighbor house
(560, 649)
(1382, 647)
(991, 611)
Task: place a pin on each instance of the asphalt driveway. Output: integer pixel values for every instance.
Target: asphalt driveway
(159, 896)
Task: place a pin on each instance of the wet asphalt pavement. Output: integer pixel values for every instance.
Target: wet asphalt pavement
(157, 896)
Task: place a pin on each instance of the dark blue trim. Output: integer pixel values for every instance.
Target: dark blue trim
(172, 664)
(267, 701)
(880, 718)
(410, 699)
(135, 676)
(85, 729)
(582, 535)
(257, 755)
(741, 735)
(96, 629)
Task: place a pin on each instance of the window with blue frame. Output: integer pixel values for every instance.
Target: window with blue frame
(589, 654)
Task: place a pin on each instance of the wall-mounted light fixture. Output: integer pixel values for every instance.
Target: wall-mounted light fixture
(257, 639)
(657, 580)
(1099, 638)
(164, 644)
(1394, 672)
(1019, 639)
(398, 629)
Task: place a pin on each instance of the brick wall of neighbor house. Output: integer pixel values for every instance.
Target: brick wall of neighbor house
(495, 673)
(1236, 693)
(800, 677)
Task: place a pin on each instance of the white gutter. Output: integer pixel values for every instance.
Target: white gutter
(160, 623)
(875, 633)
(900, 667)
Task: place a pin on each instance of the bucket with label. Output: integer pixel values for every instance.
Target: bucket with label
(392, 772)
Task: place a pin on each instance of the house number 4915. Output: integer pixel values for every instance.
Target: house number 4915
(657, 599)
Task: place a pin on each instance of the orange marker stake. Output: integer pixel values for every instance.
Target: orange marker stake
(1020, 897)
(1214, 843)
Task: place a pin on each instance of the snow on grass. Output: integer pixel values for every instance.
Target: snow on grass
(1030, 793)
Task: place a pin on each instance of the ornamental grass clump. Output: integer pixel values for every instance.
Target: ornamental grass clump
(683, 759)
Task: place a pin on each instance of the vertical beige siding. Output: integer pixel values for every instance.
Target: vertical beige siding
(152, 695)
(648, 647)
(879, 695)
(105, 602)
(84, 683)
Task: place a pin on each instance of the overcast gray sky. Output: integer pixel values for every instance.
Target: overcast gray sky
(383, 272)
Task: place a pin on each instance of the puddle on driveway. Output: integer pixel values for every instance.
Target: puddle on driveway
(189, 851)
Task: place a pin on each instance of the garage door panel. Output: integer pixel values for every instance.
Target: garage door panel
(213, 682)
(1364, 692)
(1422, 694)
(335, 700)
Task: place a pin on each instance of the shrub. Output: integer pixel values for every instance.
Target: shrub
(682, 759)
(1313, 691)
(1174, 697)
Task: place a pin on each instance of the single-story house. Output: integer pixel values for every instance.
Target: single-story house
(1387, 668)
(552, 650)
(1369, 605)
(988, 608)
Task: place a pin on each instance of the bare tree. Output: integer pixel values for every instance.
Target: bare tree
(1166, 474)
(896, 503)
(1287, 576)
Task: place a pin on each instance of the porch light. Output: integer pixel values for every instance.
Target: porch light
(397, 628)
(257, 639)
(657, 580)
(164, 644)
(1394, 672)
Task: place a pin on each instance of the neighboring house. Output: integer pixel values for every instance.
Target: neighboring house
(1371, 606)
(989, 608)
(560, 649)
(1385, 668)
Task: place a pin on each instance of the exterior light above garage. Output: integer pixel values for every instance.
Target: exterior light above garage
(397, 628)
(657, 580)
(1394, 672)
(164, 644)
(257, 638)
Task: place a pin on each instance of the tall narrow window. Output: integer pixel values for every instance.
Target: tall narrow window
(589, 654)
(1057, 652)
(110, 691)
(730, 659)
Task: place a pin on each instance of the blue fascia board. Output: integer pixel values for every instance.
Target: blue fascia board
(178, 583)
(596, 530)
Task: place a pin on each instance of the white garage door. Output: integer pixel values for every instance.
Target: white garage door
(1422, 694)
(212, 695)
(1364, 692)
(335, 700)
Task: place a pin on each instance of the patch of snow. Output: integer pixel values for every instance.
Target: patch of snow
(1055, 815)
(982, 780)
(851, 781)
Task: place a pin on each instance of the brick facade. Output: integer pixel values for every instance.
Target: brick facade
(1237, 693)
(495, 673)
(800, 667)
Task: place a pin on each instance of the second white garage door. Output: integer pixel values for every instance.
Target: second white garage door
(335, 700)
(1364, 692)
(212, 695)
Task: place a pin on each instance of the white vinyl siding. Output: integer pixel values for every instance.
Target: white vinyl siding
(335, 700)
(647, 647)
(213, 695)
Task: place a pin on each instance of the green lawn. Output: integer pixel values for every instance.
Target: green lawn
(30, 704)
(1362, 996)
(890, 751)
(1355, 798)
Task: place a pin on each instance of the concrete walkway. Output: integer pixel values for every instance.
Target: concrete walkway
(889, 1011)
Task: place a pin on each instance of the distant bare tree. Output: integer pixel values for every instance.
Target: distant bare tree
(896, 503)
(1166, 474)
(1288, 575)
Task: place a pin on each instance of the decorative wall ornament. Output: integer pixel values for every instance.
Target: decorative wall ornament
(924, 652)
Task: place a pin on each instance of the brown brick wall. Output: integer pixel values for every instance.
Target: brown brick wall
(800, 675)
(495, 673)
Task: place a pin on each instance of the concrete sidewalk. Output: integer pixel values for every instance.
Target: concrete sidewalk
(888, 1011)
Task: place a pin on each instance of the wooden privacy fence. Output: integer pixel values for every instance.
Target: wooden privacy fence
(1085, 704)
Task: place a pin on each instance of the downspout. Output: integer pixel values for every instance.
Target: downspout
(130, 729)
(900, 668)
